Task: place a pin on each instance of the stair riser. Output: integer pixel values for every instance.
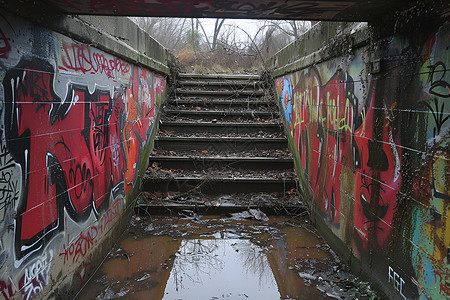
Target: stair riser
(218, 187)
(220, 146)
(218, 77)
(226, 130)
(199, 165)
(214, 84)
(222, 105)
(245, 94)
(144, 210)
(221, 116)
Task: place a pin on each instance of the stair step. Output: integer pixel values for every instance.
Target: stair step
(215, 93)
(277, 153)
(220, 103)
(184, 76)
(170, 208)
(219, 185)
(201, 163)
(224, 83)
(219, 136)
(221, 127)
(218, 143)
(221, 114)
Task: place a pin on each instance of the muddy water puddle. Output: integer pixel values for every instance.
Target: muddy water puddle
(219, 257)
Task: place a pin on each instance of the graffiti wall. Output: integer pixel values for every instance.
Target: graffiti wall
(374, 149)
(74, 121)
(286, 9)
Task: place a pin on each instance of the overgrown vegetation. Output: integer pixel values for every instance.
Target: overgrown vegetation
(227, 46)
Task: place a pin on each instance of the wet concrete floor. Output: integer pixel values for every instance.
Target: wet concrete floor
(222, 257)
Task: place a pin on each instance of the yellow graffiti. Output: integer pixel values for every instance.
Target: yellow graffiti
(334, 112)
(346, 121)
(441, 173)
(331, 111)
(363, 125)
(297, 109)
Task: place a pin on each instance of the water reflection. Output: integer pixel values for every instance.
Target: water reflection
(209, 269)
(216, 257)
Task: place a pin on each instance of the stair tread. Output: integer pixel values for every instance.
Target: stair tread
(222, 178)
(216, 92)
(226, 82)
(219, 112)
(224, 138)
(219, 124)
(196, 153)
(221, 158)
(192, 100)
(220, 76)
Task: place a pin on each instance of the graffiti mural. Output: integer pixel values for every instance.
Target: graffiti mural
(73, 123)
(208, 8)
(376, 158)
(432, 189)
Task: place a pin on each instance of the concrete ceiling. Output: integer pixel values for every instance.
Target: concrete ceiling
(333, 10)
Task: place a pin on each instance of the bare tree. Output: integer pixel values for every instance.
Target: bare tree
(230, 45)
(274, 35)
(170, 32)
(217, 26)
(292, 28)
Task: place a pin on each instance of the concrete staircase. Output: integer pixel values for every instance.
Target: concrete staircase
(220, 140)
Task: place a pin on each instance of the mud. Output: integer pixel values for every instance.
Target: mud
(222, 257)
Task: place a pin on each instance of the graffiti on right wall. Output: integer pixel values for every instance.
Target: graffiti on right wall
(375, 153)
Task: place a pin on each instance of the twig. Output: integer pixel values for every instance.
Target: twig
(205, 180)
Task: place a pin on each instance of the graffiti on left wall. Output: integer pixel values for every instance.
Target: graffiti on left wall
(74, 122)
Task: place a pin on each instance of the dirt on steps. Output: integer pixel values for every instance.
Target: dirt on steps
(213, 179)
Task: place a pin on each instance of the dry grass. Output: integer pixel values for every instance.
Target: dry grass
(218, 61)
(186, 56)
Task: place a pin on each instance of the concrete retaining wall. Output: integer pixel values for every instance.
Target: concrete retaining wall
(79, 105)
(367, 112)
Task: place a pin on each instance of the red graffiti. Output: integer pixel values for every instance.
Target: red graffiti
(87, 268)
(75, 153)
(7, 290)
(114, 151)
(64, 149)
(86, 240)
(329, 138)
(321, 125)
(84, 58)
(140, 113)
(377, 180)
(81, 246)
(5, 47)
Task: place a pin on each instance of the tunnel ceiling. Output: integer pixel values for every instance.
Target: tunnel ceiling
(351, 10)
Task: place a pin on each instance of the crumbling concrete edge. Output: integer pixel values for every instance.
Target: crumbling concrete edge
(137, 48)
(322, 42)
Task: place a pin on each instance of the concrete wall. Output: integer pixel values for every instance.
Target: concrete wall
(367, 112)
(76, 129)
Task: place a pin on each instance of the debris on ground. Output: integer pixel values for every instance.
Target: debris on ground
(180, 256)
